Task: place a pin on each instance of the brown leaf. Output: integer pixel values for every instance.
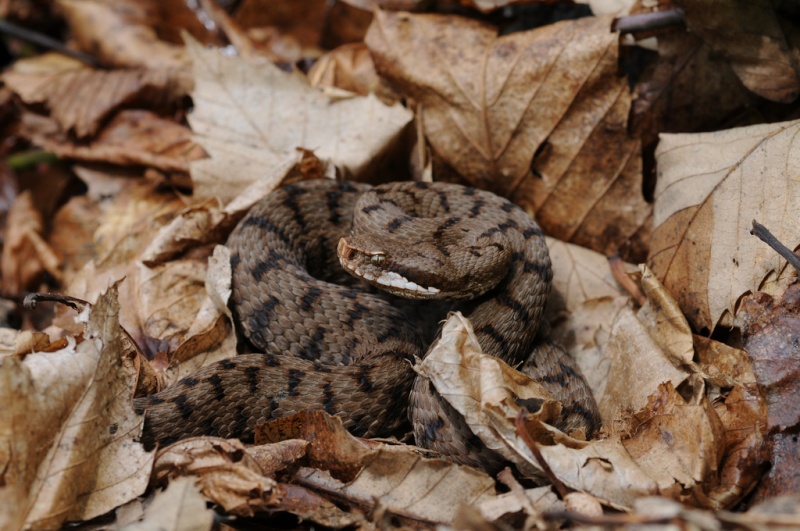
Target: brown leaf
(80, 98)
(224, 471)
(772, 337)
(126, 33)
(130, 138)
(26, 255)
(350, 67)
(547, 100)
(239, 105)
(692, 89)
(70, 431)
(710, 188)
(760, 43)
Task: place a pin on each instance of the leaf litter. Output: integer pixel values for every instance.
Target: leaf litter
(694, 374)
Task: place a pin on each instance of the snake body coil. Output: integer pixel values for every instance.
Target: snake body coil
(300, 262)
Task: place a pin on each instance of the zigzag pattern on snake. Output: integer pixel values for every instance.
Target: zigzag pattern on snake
(330, 341)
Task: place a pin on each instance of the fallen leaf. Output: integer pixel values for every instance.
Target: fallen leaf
(710, 188)
(546, 101)
(70, 434)
(130, 138)
(224, 472)
(759, 42)
(178, 507)
(80, 98)
(350, 67)
(238, 105)
(26, 255)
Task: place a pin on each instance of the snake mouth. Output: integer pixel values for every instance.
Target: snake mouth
(361, 264)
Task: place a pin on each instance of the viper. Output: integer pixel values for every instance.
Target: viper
(317, 267)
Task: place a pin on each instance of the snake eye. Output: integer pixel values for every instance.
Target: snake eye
(377, 259)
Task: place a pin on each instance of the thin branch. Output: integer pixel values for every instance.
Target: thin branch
(44, 41)
(766, 236)
(649, 21)
(534, 446)
(31, 299)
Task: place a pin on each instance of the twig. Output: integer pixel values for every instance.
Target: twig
(766, 236)
(31, 299)
(649, 21)
(526, 438)
(45, 42)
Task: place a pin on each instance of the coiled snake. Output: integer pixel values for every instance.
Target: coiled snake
(331, 342)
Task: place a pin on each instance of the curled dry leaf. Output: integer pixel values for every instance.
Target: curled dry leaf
(70, 428)
(760, 43)
(710, 188)
(487, 104)
(180, 506)
(658, 442)
(26, 255)
(80, 98)
(239, 105)
(350, 67)
(224, 471)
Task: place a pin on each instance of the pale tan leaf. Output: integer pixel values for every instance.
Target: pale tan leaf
(80, 98)
(71, 430)
(179, 507)
(401, 482)
(239, 107)
(760, 42)
(634, 356)
(710, 188)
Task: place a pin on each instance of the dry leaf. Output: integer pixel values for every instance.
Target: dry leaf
(350, 67)
(80, 98)
(760, 43)
(547, 100)
(239, 106)
(70, 433)
(710, 188)
(179, 507)
(225, 473)
(26, 255)
(772, 332)
(124, 33)
(130, 138)
(691, 89)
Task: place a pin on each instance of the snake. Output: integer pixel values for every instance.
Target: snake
(336, 287)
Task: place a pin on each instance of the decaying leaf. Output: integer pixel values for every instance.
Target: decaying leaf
(224, 471)
(760, 42)
(710, 188)
(239, 105)
(70, 428)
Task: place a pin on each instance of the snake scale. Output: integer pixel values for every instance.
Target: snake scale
(306, 261)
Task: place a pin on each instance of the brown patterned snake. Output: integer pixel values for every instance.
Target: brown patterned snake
(332, 343)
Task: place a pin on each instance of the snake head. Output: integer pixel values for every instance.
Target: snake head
(416, 271)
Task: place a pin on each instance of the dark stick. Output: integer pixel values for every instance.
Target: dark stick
(649, 21)
(76, 304)
(528, 440)
(766, 236)
(45, 42)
